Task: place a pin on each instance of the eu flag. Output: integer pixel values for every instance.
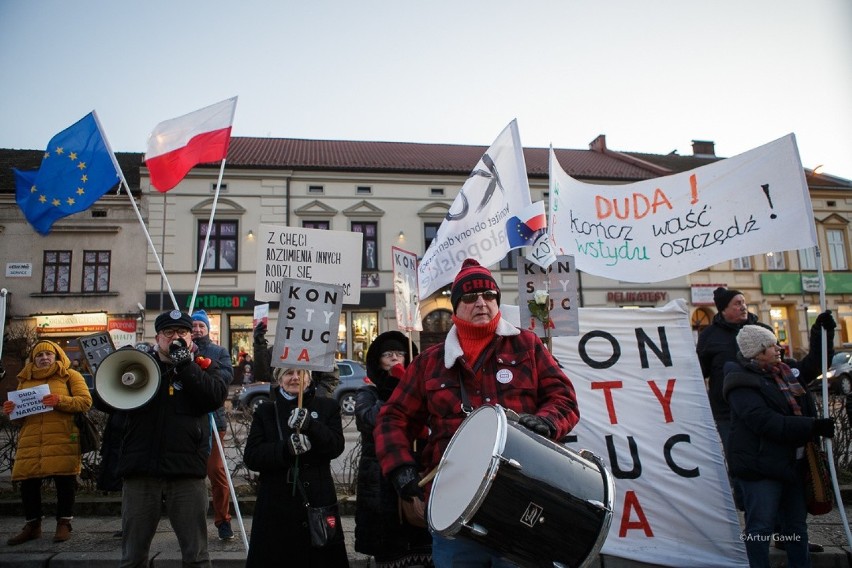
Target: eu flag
(76, 170)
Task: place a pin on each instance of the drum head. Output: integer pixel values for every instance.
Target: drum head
(466, 469)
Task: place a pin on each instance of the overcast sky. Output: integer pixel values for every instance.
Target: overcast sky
(650, 75)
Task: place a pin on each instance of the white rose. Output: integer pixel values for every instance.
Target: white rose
(540, 297)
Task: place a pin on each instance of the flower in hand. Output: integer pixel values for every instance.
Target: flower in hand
(540, 306)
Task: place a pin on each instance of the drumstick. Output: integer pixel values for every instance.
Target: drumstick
(429, 476)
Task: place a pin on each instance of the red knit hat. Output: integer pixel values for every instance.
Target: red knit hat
(473, 277)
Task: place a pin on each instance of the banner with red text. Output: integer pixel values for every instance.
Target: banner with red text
(644, 411)
(662, 228)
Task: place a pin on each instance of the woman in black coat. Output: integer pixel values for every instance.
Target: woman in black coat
(773, 416)
(379, 531)
(287, 443)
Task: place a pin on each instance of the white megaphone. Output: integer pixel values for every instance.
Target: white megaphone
(127, 379)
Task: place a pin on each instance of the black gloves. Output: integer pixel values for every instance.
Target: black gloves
(405, 479)
(824, 427)
(179, 353)
(300, 419)
(298, 444)
(260, 333)
(824, 320)
(537, 424)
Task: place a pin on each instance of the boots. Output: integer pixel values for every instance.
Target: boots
(63, 529)
(31, 530)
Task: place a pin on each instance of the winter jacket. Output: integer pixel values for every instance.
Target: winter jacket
(765, 434)
(517, 373)
(170, 435)
(717, 345)
(224, 372)
(279, 530)
(49, 442)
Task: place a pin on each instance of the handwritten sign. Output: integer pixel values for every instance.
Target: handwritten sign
(96, 347)
(328, 257)
(645, 413)
(405, 290)
(306, 332)
(29, 401)
(560, 281)
(667, 227)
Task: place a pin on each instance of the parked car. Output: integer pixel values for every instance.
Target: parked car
(353, 375)
(839, 374)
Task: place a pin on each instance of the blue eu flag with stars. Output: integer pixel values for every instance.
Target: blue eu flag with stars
(76, 170)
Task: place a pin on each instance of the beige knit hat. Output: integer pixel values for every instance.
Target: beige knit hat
(754, 339)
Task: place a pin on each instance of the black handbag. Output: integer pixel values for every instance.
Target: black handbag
(90, 437)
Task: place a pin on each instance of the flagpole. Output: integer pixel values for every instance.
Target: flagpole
(135, 208)
(214, 432)
(207, 237)
(825, 410)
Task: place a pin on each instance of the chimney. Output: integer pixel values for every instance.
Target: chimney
(598, 144)
(704, 148)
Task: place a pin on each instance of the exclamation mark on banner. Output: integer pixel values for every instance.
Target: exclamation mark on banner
(765, 187)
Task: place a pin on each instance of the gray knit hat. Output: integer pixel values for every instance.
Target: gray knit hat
(754, 339)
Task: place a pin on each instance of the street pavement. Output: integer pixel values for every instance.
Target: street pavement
(92, 543)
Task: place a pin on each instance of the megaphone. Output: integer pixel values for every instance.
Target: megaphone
(127, 379)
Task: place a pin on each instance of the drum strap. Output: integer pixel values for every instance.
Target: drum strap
(467, 407)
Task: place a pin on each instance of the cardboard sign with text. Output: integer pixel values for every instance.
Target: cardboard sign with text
(96, 347)
(29, 401)
(560, 280)
(308, 318)
(328, 257)
(405, 295)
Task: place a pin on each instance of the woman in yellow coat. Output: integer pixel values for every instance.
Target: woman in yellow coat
(49, 442)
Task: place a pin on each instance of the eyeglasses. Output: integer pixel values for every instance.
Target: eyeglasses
(488, 296)
(389, 354)
(170, 333)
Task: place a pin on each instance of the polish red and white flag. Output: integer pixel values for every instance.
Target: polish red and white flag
(175, 146)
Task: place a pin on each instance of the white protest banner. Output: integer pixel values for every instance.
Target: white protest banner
(490, 216)
(644, 411)
(405, 294)
(667, 227)
(329, 257)
(29, 401)
(308, 318)
(559, 280)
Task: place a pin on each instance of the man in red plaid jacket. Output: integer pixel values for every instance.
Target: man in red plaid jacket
(496, 363)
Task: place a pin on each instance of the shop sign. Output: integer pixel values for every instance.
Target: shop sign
(71, 324)
(19, 269)
(810, 283)
(128, 325)
(702, 294)
(637, 296)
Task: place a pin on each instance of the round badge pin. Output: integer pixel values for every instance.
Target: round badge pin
(504, 376)
(174, 314)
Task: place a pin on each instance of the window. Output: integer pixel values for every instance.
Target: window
(775, 261)
(364, 190)
(807, 259)
(510, 261)
(222, 249)
(96, 270)
(741, 263)
(437, 192)
(57, 272)
(836, 249)
(315, 189)
(430, 231)
(369, 256)
(322, 225)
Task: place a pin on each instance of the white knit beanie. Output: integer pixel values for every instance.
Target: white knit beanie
(754, 339)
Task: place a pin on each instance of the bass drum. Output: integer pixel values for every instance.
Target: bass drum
(534, 501)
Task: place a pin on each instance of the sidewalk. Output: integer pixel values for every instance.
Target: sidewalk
(92, 543)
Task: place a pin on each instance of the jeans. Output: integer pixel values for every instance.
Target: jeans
(464, 553)
(771, 501)
(186, 504)
(66, 487)
(218, 483)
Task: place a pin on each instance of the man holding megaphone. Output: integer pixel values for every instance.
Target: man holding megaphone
(166, 445)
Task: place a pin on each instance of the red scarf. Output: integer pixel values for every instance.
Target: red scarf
(474, 338)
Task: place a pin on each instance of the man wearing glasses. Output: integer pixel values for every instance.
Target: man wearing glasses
(165, 448)
(484, 360)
